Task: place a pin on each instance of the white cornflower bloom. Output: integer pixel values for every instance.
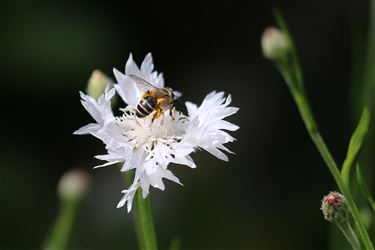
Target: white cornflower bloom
(149, 145)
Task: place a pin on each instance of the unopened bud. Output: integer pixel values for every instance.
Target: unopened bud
(73, 184)
(274, 43)
(97, 83)
(334, 207)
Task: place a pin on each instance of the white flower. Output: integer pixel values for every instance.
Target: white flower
(148, 145)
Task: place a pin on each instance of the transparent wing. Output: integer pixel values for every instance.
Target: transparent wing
(142, 81)
(177, 94)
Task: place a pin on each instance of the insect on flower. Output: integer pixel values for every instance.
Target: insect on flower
(150, 134)
(155, 99)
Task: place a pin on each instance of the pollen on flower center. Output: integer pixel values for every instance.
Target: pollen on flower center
(145, 132)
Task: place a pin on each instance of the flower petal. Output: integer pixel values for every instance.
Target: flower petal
(127, 89)
(131, 68)
(87, 129)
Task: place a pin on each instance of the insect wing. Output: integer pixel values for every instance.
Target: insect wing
(142, 81)
(176, 95)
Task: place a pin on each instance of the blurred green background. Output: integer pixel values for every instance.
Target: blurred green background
(266, 197)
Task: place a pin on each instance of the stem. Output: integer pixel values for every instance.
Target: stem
(175, 244)
(369, 74)
(143, 221)
(63, 225)
(308, 118)
(349, 234)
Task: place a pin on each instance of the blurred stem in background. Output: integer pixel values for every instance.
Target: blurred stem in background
(279, 47)
(369, 74)
(175, 244)
(363, 87)
(71, 189)
(363, 75)
(143, 221)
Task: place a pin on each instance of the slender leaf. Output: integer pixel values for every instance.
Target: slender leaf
(365, 191)
(355, 144)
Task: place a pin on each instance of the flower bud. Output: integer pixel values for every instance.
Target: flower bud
(274, 43)
(334, 207)
(73, 184)
(97, 83)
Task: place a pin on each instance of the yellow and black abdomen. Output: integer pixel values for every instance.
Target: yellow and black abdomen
(146, 106)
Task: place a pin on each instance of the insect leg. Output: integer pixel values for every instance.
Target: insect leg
(157, 114)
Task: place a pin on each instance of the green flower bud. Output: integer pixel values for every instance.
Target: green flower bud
(97, 83)
(73, 184)
(274, 43)
(334, 208)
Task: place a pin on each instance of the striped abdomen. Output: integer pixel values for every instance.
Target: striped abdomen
(146, 106)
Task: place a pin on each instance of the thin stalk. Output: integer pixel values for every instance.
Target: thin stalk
(145, 224)
(369, 75)
(143, 221)
(63, 226)
(175, 244)
(349, 234)
(308, 118)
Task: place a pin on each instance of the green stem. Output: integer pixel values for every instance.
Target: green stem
(308, 118)
(143, 221)
(60, 234)
(369, 74)
(349, 234)
(175, 244)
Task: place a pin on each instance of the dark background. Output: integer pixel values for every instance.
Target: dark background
(266, 197)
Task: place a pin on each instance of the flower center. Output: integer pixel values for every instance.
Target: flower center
(145, 132)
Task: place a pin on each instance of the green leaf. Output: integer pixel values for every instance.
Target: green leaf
(365, 191)
(355, 144)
